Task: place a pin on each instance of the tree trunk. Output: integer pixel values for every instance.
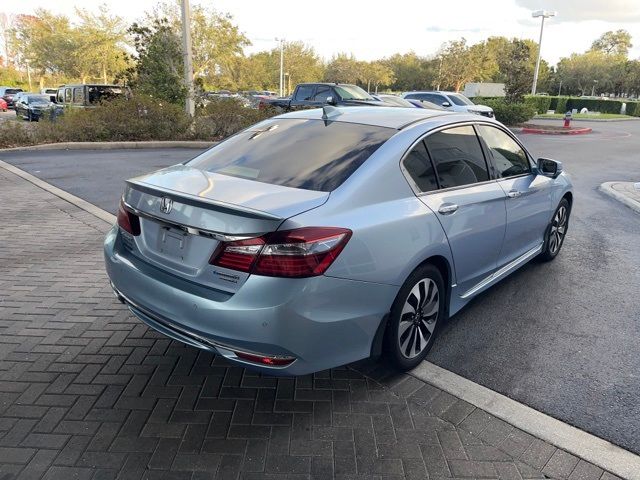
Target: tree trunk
(104, 74)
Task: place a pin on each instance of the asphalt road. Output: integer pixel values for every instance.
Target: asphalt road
(562, 337)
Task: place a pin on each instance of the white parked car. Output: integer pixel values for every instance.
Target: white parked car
(451, 101)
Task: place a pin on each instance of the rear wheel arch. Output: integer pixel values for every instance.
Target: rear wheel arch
(444, 267)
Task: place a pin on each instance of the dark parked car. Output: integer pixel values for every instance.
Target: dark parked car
(33, 106)
(307, 95)
(8, 94)
(89, 95)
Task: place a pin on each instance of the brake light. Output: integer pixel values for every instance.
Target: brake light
(303, 252)
(128, 221)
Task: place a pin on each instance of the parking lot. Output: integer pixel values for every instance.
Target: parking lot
(560, 337)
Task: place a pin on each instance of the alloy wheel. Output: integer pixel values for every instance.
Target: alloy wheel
(418, 318)
(558, 230)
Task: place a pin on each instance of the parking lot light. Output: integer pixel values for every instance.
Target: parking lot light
(542, 14)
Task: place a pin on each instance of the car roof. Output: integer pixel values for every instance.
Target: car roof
(333, 84)
(391, 117)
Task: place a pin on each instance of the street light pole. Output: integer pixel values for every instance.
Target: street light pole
(544, 14)
(281, 40)
(188, 56)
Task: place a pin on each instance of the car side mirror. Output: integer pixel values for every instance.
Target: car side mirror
(549, 168)
(446, 104)
(331, 101)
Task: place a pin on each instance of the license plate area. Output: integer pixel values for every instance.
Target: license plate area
(173, 243)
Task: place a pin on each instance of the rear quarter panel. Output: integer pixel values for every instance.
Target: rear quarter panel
(393, 232)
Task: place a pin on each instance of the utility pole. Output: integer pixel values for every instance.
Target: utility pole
(188, 57)
(544, 14)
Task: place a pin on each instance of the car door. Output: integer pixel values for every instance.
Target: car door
(450, 173)
(528, 194)
(303, 96)
(323, 92)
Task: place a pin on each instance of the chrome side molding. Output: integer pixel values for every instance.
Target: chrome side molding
(503, 272)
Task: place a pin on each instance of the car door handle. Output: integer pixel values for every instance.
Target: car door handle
(514, 194)
(447, 208)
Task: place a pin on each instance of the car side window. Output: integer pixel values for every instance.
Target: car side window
(509, 158)
(437, 99)
(418, 165)
(60, 96)
(78, 95)
(67, 95)
(457, 156)
(322, 93)
(304, 93)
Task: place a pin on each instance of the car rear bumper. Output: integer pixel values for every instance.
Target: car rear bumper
(321, 321)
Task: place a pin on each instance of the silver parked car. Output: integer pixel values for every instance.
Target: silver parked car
(321, 237)
(455, 102)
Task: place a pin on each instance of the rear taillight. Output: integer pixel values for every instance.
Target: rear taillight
(303, 252)
(128, 221)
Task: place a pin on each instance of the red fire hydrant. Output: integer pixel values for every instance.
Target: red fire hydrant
(567, 120)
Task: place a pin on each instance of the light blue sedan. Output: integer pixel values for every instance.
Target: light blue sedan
(322, 237)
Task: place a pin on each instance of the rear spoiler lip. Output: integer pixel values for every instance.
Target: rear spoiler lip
(197, 201)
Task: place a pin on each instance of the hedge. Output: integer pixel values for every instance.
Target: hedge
(511, 114)
(541, 103)
(562, 104)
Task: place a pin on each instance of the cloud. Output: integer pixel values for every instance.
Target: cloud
(618, 11)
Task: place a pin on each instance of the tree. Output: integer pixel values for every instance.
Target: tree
(103, 39)
(216, 41)
(343, 68)
(375, 75)
(50, 44)
(616, 43)
(158, 68)
(411, 72)
(516, 67)
(580, 72)
(462, 64)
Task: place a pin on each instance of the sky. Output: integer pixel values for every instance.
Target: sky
(374, 29)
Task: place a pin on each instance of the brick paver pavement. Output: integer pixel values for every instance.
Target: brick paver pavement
(89, 392)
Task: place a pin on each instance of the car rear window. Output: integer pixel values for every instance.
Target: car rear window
(307, 154)
(11, 91)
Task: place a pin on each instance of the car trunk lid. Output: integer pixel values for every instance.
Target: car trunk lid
(186, 212)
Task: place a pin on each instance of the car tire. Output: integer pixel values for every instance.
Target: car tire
(556, 232)
(418, 310)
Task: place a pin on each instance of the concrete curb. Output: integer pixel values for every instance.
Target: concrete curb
(542, 131)
(113, 145)
(593, 449)
(58, 192)
(632, 119)
(607, 189)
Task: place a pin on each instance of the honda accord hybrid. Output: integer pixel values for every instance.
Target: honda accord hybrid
(321, 237)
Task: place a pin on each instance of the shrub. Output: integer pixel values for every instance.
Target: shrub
(224, 117)
(511, 113)
(14, 134)
(135, 119)
(541, 103)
